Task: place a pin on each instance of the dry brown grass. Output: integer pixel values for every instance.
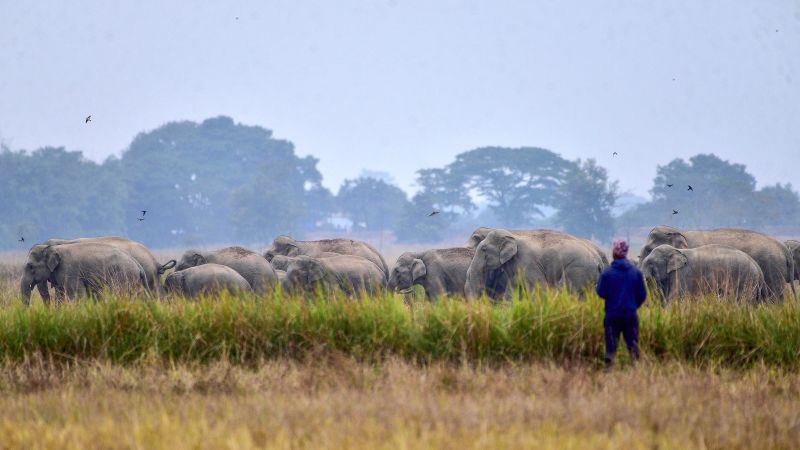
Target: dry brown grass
(339, 403)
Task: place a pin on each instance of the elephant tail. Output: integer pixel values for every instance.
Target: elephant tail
(169, 265)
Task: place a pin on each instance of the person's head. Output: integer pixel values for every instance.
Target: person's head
(619, 249)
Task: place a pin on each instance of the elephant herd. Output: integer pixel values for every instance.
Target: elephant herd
(733, 263)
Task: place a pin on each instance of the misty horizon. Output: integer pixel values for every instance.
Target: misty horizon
(402, 85)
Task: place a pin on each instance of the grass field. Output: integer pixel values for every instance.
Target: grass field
(242, 372)
(336, 402)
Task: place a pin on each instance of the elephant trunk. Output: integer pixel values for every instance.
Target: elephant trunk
(392, 283)
(26, 286)
(475, 280)
(43, 291)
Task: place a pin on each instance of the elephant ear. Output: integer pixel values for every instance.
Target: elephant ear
(679, 240)
(198, 259)
(53, 260)
(418, 269)
(508, 248)
(676, 260)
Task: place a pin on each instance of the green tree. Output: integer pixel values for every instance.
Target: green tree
(586, 201)
(195, 180)
(52, 192)
(776, 205)
(516, 182)
(723, 195)
(370, 203)
(415, 223)
(268, 206)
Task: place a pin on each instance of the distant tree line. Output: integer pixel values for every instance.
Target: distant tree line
(219, 181)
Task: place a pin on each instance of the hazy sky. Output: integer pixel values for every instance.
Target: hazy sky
(399, 85)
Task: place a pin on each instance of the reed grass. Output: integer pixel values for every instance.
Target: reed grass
(546, 325)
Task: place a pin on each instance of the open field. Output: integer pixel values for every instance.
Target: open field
(244, 372)
(336, 402)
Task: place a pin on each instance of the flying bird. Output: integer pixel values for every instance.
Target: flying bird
(674, 211)
(433, 213)
(669, 185)
(690, 188)
(144, 212)
(88, 119)
(614, 154)
(140, 219)
(21, 239)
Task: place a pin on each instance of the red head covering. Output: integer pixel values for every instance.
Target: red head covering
(620, 249)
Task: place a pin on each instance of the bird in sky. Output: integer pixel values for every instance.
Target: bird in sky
(140, 219)
(669, 185)
(690, 188)
(674, 211)
(144, 212)
(614, 154)
(21, 239)
(433, 213)
(88, 119)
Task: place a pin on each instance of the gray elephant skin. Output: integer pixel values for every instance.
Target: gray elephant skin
(80, 269)
(281, 262)
(709, 269)
(353, 275)
(771, 255)
(480, 234)
(206, 279)
(440, 271)
(794, 248)
(543, 257)
(136, 250)
(249, 264)
(285, 245)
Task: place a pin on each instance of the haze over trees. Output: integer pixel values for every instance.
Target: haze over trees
(218, 181)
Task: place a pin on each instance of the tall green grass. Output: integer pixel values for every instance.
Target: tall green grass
(547, 325)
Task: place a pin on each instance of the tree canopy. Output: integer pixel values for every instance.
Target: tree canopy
(370, 203)
(218, 182)
(723, 194)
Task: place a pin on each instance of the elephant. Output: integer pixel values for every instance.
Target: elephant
(136, 250)
(544, 257)
(281, 278)
(772, 256)
(439, 271)
(281, 262)
(206, 279)
(717, 269)
(352, 274)
(80, 269)
(249, 264)
(794, 248)
(480, 234)
(285, 245)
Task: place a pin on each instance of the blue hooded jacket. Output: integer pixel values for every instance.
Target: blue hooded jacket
(621, 285)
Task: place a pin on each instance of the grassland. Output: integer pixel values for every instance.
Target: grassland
(282, 372)
(337, 402)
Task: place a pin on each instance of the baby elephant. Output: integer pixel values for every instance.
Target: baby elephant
(249, 264)
(708, 269)
(205, 279)
(440, 271)
(352, 274)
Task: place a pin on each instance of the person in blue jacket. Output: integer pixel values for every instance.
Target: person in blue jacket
(621, 285)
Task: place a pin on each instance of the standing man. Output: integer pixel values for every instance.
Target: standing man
(621, 285)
